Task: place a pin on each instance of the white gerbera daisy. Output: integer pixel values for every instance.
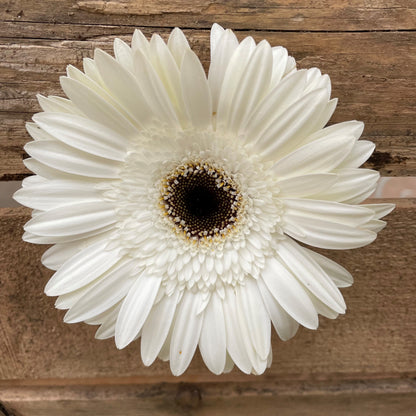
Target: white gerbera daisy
(175, 201)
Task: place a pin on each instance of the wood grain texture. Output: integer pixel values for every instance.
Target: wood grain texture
(375, 339)
(380, 398)
(361, 364)
(321, 15)
(372, 86)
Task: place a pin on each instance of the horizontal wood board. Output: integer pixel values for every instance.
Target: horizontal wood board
(375, 339)
(373, 75)
(293, 15)
(381, 398)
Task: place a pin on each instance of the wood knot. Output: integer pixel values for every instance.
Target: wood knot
(188, 396)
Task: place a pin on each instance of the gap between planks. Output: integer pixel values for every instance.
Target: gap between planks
(16, 33)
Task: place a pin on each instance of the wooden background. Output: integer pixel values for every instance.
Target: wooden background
(361, 364)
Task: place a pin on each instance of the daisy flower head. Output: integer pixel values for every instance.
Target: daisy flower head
(176, 201)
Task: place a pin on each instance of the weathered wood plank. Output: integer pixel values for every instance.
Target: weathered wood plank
(372, 86)
(381, 398)
(323, 15)
(48, 368)
(375, 339)
(13, 136)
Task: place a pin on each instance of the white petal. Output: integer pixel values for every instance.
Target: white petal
(339, 275)
(290, 66)
(362, 196)
(310, 274)
(165, 350)
(374, 225)
(135, 309)
(305, 185)
(292, 127)
(37, 239)
(271, 107)
(91, 72)
(257, 318)
(258, 364)
(253, 85)
(186, 333)
(103, 316)
(123, 54)
(285, 326)
(110, 289)
(51, 194)
(124, 87)
(57, 255)
(37, 133)
(83, 134)
(165, 66)
(67, 300)
(235, 341)
(156, 328)
(380, 210)
(270, 359)
(57, 104)
(108, 327)
(82, 269)
(347, 128)
(215, 36)
(33, 181)
(67, 159)
(221, 52)
(350, 185)
(154, 90)
(352, 215)
(72, 219)
(280, 57)
(195, 90)
(178, 45)
(43, 171)
(212, 342)
(330, 235)
(323, 309)
(54, 257)
(325, 115)
(94, 82)
(97, 108)
(229, 364)
(361, 151)
(316, 80)
(139, 42)
(289, 293)
(232, 79)
(76, 74)
(314, 74)
(320, 156)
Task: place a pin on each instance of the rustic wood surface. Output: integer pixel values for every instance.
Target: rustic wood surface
(372, 86)
(380, 398)
(294, 15)
(361, 364)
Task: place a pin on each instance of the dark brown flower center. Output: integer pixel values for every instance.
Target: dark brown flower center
(201, 200)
